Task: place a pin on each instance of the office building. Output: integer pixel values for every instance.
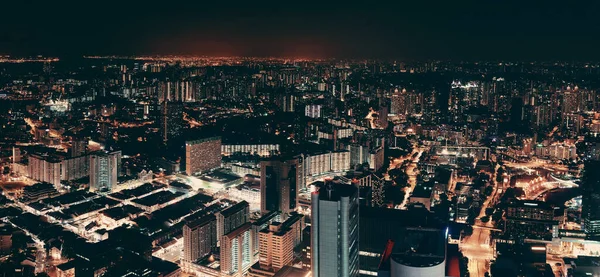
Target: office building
(358, 154)
(105, 168)
(529, 219)
(232, 218)
(376, 158)
(199, 238)
(202, 155)
(279, 185)
(334, 233)
(178, 91)
(590, 210)
(171, 120)
(236, 252)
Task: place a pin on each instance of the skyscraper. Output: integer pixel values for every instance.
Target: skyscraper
(105, 167)
(334, 234)
(202, 155)
(236, 251)
(279, 186)
(171, 120)
(199, 238)
(590, 210)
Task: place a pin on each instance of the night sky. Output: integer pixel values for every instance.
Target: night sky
(407, 30)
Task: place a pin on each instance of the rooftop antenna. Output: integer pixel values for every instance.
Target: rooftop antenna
(329, 188)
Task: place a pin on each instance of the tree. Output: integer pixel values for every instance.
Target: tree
(497, 216)
(488, 190)
(394, 194)
(499, 175)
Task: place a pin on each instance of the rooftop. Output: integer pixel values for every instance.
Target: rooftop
(198, 141)
(201, 221)
(331, 191)
(235, 208)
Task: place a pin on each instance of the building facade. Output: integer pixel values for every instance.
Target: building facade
(171, 120)
(236, 252)
(202, 155)
(199, 238)
(232, 218)
(279, 185)
(105, 167)
(45, 169)
(334, 233)
(590, 210)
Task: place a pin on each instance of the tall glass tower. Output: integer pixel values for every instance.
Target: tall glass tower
(590, 210)
(334, 241)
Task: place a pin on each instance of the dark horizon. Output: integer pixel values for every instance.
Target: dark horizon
(436, 30)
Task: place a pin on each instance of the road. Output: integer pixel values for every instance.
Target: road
(477, 248)
(412, 176)
(410, 171)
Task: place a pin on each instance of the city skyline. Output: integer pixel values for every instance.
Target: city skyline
(300, 139)
(440, 29)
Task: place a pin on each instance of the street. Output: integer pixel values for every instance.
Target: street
(410, 171)
(477, 248)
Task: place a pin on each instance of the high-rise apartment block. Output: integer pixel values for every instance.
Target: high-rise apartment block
(45, 169)
(202, 155)
(276, 246)
(199, 238)
(232, 218)
(105, 168)
(171, 120)
(78, 147)
(236, 251)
